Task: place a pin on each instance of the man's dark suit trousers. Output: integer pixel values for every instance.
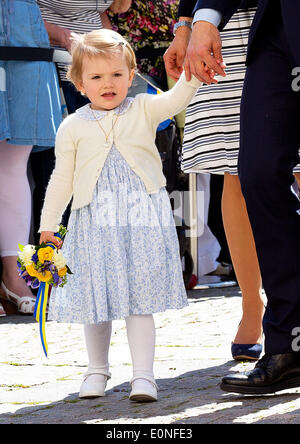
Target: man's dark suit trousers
(270, 139)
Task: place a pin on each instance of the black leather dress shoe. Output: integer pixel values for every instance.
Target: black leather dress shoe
(271, 374)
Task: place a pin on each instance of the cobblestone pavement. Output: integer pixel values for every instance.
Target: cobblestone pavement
(192, 355)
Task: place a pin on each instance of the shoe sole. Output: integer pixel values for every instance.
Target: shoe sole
(91, 396)
(142, 398)
(291, 383)
(11, 308)
(245, 358)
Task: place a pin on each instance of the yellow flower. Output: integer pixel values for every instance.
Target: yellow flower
(62, 272)
(45, 276)
(45, 254)
(31, 270)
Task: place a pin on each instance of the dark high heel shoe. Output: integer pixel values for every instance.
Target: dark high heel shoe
(249, 352)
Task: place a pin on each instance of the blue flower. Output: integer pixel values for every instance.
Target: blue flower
(56, 279)
(35, 283)
(34, 257)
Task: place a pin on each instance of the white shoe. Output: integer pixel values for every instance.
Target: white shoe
(25, 304)
(93, 386)
(143, 390)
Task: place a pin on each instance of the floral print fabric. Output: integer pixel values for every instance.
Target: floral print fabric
(148, 24)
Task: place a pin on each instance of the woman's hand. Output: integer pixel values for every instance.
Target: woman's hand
(105, 20)
(175, 54)
(120, 6)
(58, 35)
(48, 236)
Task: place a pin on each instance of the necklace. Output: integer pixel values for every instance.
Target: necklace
(106, 144)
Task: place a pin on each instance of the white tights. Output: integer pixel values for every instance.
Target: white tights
(141, 340)
(15, 198)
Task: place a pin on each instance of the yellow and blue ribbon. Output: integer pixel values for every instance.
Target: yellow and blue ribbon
(41, 304)
(40, 312)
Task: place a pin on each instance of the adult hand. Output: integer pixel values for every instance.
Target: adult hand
(105, 20)
(120, 6)
(59, 36)
(204, 53)
(175, 54)
(48, 236)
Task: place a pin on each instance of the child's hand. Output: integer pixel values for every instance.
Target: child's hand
(48, 236)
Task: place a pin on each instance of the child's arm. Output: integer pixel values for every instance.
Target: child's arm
(166, 105)
(60, 187)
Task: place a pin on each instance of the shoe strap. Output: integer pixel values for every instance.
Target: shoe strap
(25, 299)
(16, 299)
(97, 371)
(147, 378)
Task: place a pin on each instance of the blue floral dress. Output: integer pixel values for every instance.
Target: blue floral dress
(122, 248)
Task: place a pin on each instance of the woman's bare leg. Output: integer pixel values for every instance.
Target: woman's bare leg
(15, 209)
(297, 176)
(244, 258)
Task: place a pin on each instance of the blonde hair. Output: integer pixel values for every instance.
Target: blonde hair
(103, 41)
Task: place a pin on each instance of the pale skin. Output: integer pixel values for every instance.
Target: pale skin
(244, 258)
(176, 55)
(105, 81)
(58, 35)
(105, 20)
(10, 275)
(204, 52)
(185, 51)
(120, 6)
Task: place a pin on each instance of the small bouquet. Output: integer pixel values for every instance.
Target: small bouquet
(43, 267)
(43, 263)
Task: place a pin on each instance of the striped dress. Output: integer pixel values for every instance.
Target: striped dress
(212, 127)
(79, 16)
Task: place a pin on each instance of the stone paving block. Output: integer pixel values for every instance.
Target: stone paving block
(192, 355)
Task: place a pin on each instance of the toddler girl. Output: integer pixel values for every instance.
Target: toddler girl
(122, 244)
